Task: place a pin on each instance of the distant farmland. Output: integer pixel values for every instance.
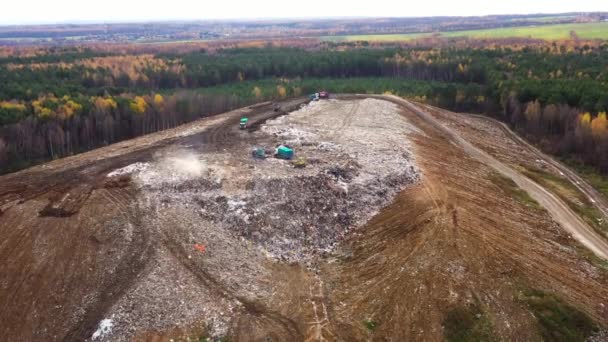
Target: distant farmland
(548, 32)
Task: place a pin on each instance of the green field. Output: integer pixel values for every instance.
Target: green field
(548, 32)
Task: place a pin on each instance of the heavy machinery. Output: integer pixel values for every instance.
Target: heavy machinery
(299, 163)
(320, 95)
(243, 123)
(284, 152)
(258, 153)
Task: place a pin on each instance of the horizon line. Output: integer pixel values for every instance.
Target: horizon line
(269, 19)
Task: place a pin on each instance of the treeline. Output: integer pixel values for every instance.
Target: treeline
(75, 128)
(52, 105)
(61, 126)
(561, 129)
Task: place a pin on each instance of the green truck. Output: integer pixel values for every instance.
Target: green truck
(284, 152)
(243, 123)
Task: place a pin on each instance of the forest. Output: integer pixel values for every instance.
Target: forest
(66, 100)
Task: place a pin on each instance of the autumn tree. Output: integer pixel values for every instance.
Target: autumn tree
(532, 114)
(281, 91)
(550, 117)
(599, 128)
(138, 105)
(257, 92)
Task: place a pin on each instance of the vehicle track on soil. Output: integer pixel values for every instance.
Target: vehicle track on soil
(316, 301)
(594, 196)
(559, 210)
(599, 201)
(252, 308)
(77, 178)
(319, 329)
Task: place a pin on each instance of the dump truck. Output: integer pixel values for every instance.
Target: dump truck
(243, 123)
(284, 152)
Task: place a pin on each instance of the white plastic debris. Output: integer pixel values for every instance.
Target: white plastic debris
(129, 169)
(105, 327)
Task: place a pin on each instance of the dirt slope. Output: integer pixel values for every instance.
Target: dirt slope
(457, 240)
(560, 211)
(80, 247)
(600, 202)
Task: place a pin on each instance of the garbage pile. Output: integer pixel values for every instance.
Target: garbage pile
(295, 207)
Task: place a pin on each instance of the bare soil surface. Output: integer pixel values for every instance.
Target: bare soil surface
(559, 210)
(394, 221)
(512, 149)
(507, 148)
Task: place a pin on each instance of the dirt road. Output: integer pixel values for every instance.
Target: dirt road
(558, 209)
(598, 200)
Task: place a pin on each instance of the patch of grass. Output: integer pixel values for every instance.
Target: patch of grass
(511, 188)
(592, 258)
(370, 325)
(558, 321)
(591, 175)
(568, 192)
(547, 32)
(468, 323)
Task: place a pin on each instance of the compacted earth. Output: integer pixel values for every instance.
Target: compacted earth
(386, 224)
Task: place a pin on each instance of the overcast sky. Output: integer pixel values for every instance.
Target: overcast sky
(61, 11)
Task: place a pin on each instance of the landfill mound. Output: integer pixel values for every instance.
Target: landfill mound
(186, 234)
(222, 214)
(291, 213)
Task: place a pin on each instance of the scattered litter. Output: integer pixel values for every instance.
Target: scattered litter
(199, 247)
(129, 169)
(105, 327)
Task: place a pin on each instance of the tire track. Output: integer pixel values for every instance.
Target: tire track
(560, 211)
(595, 197)
(319, 328)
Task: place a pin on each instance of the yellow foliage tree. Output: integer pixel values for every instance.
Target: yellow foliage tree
(460, 96)
(159, 101)
(281, 91)
(68, 109)
(45, 112)
(40, 106)
(12, 106)
(584, 119)
(599, 127)
(138, 105)
(533, 111)
(257, 92)
(105, 103)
